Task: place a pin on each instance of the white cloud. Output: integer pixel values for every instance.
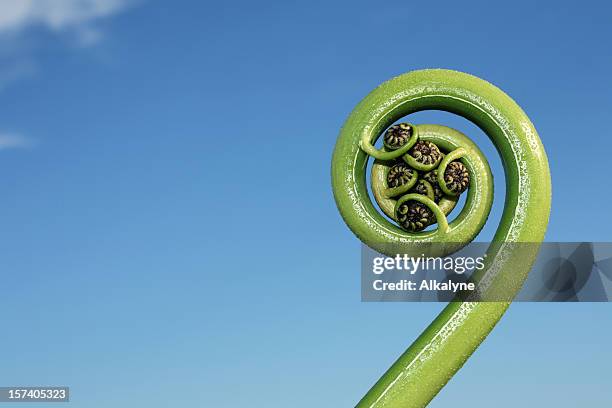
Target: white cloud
(14, 141)
(54, 14)
(78, 16)
(79, 19)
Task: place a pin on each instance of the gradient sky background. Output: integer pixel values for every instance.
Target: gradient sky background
(169, 235)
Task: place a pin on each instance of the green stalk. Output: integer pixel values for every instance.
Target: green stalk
(436, 355)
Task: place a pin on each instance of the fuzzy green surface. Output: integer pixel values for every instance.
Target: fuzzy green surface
(419, 374)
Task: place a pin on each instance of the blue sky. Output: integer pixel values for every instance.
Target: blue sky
(168, 227)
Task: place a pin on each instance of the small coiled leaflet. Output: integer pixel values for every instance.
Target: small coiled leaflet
(424, 155)
(419, 373)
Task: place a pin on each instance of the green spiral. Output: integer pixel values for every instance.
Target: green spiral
(427, 365)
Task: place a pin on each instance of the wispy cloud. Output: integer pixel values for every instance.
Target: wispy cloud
(77, 19)
(20, 23)
(15, 141)
(78, 16)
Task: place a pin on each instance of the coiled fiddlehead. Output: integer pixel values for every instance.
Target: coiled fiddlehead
(480, 196)
(424, 155)
(419, 373)
(413, 215)
(400, 178)
(398, 135)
